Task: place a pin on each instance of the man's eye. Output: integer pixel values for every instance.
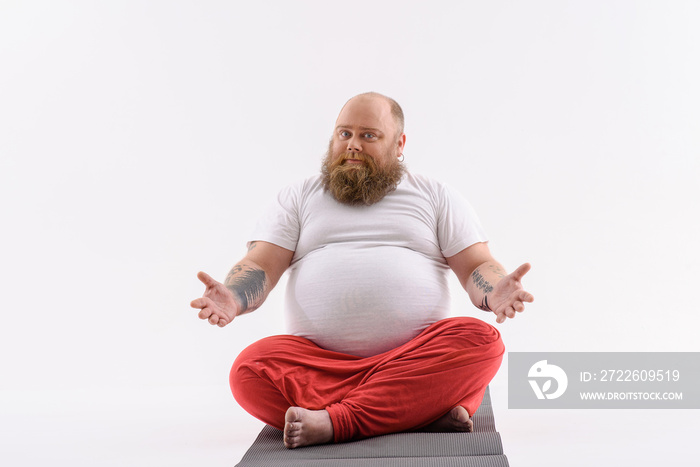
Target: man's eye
(369, 135)
(344, 134)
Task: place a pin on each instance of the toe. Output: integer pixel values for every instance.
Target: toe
(461, 419)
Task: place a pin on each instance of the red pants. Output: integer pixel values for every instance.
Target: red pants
(450, 363)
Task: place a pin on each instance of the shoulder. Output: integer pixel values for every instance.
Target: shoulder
(302, 188)
(426, 185)
(444, 198)
(304, 184)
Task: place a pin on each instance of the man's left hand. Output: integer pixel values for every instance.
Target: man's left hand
(508, 295)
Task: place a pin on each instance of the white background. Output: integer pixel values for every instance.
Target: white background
(139, 141)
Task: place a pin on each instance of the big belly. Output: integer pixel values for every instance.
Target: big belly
(364, 301)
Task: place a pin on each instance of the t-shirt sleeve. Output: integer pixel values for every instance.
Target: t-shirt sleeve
(458, 224)
(279, 223)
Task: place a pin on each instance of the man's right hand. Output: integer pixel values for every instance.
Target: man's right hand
(217, 305)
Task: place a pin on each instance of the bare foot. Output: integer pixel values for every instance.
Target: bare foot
(456, 419)
(304, 427)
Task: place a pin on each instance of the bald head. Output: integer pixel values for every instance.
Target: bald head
(394, 108)
(366, 125)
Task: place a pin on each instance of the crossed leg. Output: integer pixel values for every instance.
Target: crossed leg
(433, 382)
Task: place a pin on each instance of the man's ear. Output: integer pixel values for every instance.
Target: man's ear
(402, 142)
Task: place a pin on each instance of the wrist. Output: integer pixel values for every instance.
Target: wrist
(484, 305)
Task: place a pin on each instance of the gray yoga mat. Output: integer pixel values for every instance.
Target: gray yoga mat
(480, 448)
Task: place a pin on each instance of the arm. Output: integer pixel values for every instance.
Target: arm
(488, 285)
(247, 285)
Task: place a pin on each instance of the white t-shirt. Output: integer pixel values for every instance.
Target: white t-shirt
(366, 279)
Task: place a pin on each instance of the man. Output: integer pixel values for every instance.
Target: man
(368, 245)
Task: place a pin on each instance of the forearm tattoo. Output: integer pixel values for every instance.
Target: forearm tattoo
(482, 284)
(497, 270)
(248, 284)
(485, 304)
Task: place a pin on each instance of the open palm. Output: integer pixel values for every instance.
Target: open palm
(217, 304)
(508, 295)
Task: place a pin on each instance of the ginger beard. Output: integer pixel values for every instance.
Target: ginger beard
(358, 184)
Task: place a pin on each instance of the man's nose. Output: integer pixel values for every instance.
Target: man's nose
(354, 145)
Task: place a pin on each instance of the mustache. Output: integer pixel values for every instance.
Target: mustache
(359, 156)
